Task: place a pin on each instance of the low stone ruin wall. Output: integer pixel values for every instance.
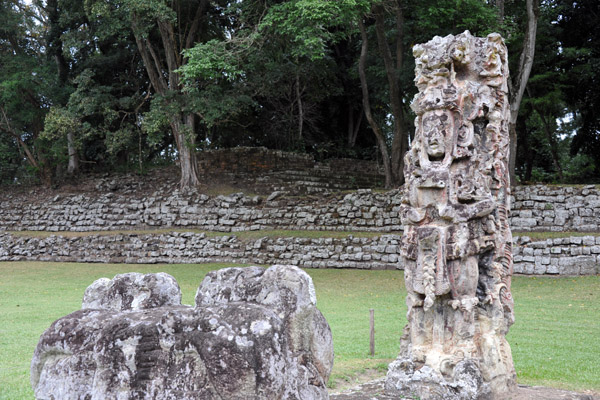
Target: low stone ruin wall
(560, 256)
(535, 208)
(265, 169)
(556, 208)
(350, 252)
(358, 211)
(575, 255)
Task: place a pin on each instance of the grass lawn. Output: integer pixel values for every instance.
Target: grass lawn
(555, 341)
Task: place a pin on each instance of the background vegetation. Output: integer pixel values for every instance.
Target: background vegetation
(554, 340)
(113, 85)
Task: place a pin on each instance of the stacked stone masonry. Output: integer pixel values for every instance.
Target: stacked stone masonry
(578, 255)
(363, 210)
(186, 247)
(575, 255)
(535, 208)
(556, 208)
(265, 169)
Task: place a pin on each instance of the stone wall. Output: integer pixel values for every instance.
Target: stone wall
(535, 208)
(556, 208)
(269, 170)
(575, 255)
(358, 211)
(185, 247)
(561, 256)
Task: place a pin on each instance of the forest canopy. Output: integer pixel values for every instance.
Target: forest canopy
(125, 85)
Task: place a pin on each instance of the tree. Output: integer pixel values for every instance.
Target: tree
(280, 55)
(162, 31)
(396, 25)
(24, 87)
(393, 162)
(56, 26)
(580, 49)
(519, 78)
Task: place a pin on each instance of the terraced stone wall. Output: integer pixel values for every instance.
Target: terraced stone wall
(358, 211)
(556, 208)
(535, 208)
(380, 252)
(266, 169)
(560, 256)
(574, 255)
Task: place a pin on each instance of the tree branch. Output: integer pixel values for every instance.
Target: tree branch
(367, 105)
(191, 36)
(525, 60)
(9, 129)
(151, 61)
(167, 35)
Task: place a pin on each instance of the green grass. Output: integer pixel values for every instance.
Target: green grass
(556, 338)
(552, 235)
(555, 341)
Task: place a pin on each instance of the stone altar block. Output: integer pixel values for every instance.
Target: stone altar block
(456, 246)
(254, 333)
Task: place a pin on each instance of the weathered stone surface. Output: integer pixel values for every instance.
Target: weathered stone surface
(188, 247)
(132, 291)
(457, 244)
(363, 210)
(253, 334)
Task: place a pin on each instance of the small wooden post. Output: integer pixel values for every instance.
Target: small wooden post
(372, 338)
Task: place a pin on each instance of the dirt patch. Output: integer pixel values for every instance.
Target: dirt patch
(374, 390)
(350, 384)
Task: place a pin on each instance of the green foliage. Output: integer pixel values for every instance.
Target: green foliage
(156, 122)
(281, 74)
(454, 16)
(212, 61)
(308, 26)
(58, 123)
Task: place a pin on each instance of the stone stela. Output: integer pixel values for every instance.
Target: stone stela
(456, 246)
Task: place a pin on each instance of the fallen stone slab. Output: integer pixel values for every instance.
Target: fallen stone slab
(254, 333)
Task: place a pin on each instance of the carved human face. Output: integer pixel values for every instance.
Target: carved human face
(436, 128)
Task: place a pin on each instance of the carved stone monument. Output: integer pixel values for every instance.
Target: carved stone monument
(457, 242)
(254, 333)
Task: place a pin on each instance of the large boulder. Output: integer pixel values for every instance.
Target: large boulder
(254, 333)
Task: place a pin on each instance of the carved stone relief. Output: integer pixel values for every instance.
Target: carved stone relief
(456, 246)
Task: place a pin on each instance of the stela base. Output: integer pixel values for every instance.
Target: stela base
(405, 380)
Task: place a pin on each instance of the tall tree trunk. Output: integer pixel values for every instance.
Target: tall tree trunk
(387, 168)
(300, 107)
(165, 79)
(73, 166)
(519, 82)
(182, 125)
(353, 126)
(55, 49)
(500, 6)
(400, 140)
